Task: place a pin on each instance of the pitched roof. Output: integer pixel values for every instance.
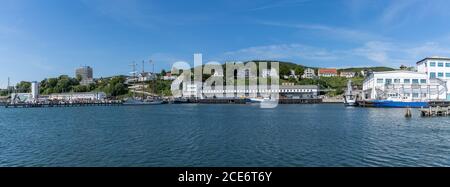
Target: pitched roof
(328, 71)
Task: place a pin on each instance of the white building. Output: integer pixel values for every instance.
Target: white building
(78, 96)
(403, 85)
(266, 73)
(348, 74)
(192, 90)
(246, 73)
(217, 74)
(327, 72)
(169, 76)
(436, 67)
(146, 76)
(309, 73)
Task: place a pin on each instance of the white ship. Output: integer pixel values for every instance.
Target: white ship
(349, 97)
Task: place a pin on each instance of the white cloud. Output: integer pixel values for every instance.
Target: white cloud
(280, 52)
(394, 55)
(329, 31)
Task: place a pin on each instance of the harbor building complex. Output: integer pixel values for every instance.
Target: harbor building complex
(430, 82)
(404, 86)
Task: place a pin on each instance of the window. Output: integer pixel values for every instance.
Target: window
(447, 65)
(432, 75)
(396, 81)
(440, 74)
(424, 94)
(407, 94)
(379, 80)
(415, 81)
(447, 74)
(440, 64)
(415, 95)
(388, 81)
(432, 64)
(406, 81)
(423, 81)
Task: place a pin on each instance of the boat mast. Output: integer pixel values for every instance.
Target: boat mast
(153, 75)
(349, 87)
(143, 80)
(134, 78)
(7, 88)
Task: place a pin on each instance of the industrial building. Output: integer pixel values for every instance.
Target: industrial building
(436, 67)
(195, 90)
(93, 96)
(403, 85)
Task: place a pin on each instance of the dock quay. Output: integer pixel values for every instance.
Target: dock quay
(63, 104)
(245, 101)
(220, 101)
(439, 103)
(434, 111)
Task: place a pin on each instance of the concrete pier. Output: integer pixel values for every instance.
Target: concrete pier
(434, 111)
(63, 104)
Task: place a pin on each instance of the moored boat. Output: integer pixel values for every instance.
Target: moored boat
(394, 104)
(350, 97)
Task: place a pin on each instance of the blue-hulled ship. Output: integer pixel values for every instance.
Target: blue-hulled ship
(394, 104)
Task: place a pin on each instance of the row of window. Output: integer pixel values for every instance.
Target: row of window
(439, 64)
(414, 95)
(439, 74)
(405, 81)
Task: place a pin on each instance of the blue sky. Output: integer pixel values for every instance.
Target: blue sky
(46, 38)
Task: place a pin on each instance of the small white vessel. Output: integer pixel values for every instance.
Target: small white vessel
(256, 100)
(264, 102)
(349, 97)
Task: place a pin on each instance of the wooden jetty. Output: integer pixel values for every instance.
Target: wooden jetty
(63, 104)
(434, 111)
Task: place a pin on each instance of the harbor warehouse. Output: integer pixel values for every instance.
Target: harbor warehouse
(285, 91)
(93, 96)
(436, 67)
(403, 85)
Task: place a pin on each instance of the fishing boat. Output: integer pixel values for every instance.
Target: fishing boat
(256, 100)
(350, 97)
(395, 104)
(395, 100)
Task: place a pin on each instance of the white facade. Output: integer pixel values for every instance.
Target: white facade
(436, 67)
(403, 85)
(348, 74)
(34, 90)
(192, 90)
(266, 73)
(218, 74)
(169, 77)
(78, 96)
(309, 73)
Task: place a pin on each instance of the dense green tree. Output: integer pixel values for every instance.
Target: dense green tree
(23, 86)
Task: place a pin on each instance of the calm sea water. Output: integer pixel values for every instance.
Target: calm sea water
(221, 135)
